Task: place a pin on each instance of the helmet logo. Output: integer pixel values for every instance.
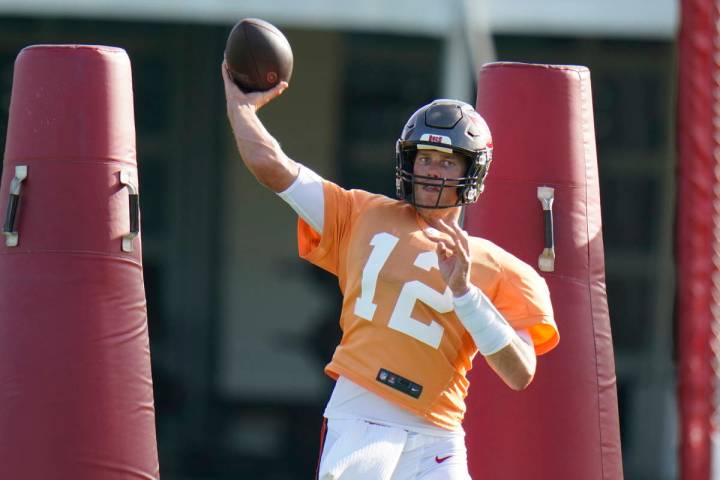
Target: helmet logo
(429, 137)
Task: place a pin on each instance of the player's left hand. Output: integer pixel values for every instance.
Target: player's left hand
(453, 255)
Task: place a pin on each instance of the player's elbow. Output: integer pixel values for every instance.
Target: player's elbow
(517, 378)
(525, 365)
(270, 182)
(272, 176)
(515, 364)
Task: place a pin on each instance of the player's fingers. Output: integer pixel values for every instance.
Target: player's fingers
(232, 91)
(462, 236)
(268, 95)
(446, 229)
(443, 244)
(437, 238)
(458, 247)
(226, 76)
(442, 227)
(440, 250)
(274, 92)
(443, 251)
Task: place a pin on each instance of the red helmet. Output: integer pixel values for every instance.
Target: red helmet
(451, 126)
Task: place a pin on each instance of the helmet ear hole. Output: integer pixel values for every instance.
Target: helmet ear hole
(471, 193)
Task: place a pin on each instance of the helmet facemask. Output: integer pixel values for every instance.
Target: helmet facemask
(469, 186)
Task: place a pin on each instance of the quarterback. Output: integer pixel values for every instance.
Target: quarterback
(421, 297)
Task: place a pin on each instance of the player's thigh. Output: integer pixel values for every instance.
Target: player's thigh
(434, 458)
(331, 437)
(447, 472)
(443, 466)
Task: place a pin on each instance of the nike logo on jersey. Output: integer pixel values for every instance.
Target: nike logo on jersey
(441, 459)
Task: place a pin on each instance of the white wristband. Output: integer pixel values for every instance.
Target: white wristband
(484, 323)
(305, 196)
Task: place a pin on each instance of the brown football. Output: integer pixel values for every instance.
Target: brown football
(258, 55)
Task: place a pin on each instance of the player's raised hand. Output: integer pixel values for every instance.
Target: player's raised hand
(453, 255)
(236, 97)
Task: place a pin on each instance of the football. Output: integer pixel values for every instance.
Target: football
(258, 55)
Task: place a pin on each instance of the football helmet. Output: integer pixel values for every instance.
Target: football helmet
(449, 126)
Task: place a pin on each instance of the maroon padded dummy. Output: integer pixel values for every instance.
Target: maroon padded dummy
(76, 398)
(697, 241)
(565, 424)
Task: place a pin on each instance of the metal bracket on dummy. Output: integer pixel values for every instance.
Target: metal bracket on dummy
(134, 212)
(12, 237)
(546, 261)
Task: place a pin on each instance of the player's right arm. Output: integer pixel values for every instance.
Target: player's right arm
(259, 150)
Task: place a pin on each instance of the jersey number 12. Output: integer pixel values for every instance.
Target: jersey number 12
(401, 319)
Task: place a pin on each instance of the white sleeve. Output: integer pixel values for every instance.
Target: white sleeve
(485, 324)
(306, 197)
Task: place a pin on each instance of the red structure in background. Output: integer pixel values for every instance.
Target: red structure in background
(565, 425)
(76, 397)
(697, 242)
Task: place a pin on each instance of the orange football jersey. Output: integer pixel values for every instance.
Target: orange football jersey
(401, 338)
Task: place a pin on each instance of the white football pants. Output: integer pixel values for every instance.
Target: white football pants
(361, 450)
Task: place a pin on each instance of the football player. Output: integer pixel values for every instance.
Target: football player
(421, 297)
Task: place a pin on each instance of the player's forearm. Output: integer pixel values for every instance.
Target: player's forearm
(509, 355)
(515, 364)
(259, 150)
